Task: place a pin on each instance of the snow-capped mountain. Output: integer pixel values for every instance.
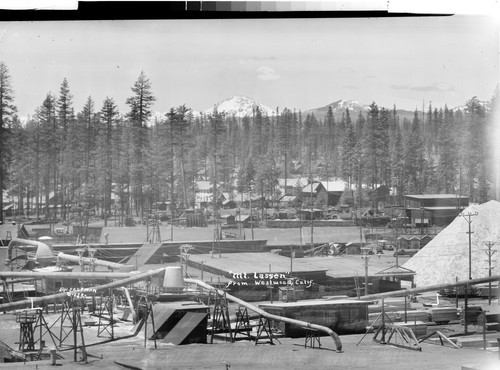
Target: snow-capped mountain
(339, 107)
(342, 105)
(239, 106)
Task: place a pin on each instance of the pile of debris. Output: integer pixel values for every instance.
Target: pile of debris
(446, 257)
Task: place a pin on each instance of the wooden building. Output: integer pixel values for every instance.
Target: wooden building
(334, 190)
(228, 220)
(245, 220)
(344, 316)
(434, 209)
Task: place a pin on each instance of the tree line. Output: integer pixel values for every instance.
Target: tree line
(102, 159)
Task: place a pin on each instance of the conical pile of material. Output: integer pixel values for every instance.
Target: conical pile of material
(446, 257)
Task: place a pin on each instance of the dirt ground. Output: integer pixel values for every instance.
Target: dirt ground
(138, 234)
(358, 353)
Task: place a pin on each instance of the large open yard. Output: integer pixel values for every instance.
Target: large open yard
(277, 237)
(273, 236)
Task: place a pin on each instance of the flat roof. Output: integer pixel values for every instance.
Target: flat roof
(441, 208)
(181, 305)
(315, 302)
(436, 196)
(253, 262)
(345, 266)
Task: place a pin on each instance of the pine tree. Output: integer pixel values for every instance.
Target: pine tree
(257, 131)
(413, 156)
(67, 151)
(19, 176)
(475, 155)
(493, 117)
(398, 173)
(217, 130)
(331, 144)
(371, 146)
(349, 155)
(446, 147)
(140, 113)
(7, 111)
(108, 120)
(285, 138)
(181, 139)
(50, 136)
(33, 143)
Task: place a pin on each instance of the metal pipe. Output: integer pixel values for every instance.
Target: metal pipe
(335, 337)
(131, 304)
(66, 275)
(95, 261)
(66, 295)
(430, 288)
(44, 252)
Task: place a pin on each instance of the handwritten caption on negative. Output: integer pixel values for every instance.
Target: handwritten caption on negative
(77, 292)
(266, 279)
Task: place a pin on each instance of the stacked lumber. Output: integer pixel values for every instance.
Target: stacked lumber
(472, 314)
(443, 314)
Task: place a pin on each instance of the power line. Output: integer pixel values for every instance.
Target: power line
(467, 217)
(490, 254)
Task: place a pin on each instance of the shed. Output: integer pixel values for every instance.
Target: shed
(379, 195)
(287, 200)
(353, 248)
(315, 188)
(228, 220)
(440, 209)
(229, 204)
(344, 316)
(334, 190)
(244, 220)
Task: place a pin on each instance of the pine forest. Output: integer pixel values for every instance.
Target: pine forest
(101, 160)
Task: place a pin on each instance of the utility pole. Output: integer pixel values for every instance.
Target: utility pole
(312, 215)
(251, 210)
(490, 254)
(300, 226)
(360, 229)
(396, 242)
(366, 257)
(421, 219)
(467, 218)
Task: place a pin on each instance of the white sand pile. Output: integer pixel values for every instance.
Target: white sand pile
(446, 257)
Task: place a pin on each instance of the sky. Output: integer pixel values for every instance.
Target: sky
(293, 63)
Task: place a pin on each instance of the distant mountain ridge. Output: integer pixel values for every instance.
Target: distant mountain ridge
(239, 106)
(338, 107)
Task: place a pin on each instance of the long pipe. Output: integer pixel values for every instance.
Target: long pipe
(66, 295)
(430, 288)
(335, 337)
(130, 304)
(95, 261)
(24, 242)
(66, 275)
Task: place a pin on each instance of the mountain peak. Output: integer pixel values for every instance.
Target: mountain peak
(347, 104)
(239, 106)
